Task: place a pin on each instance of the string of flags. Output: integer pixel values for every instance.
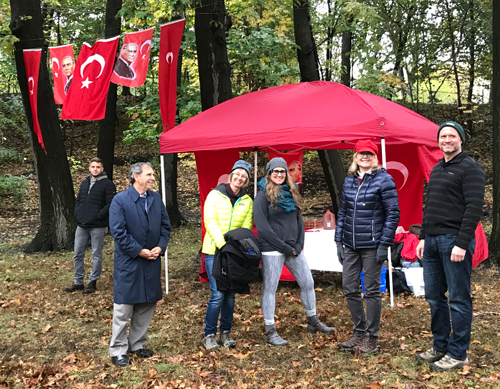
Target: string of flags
(81, 85)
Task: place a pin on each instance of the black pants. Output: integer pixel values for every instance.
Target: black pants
(356, 261)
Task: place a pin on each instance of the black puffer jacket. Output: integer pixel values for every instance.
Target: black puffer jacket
(92, 206)
(369, 211)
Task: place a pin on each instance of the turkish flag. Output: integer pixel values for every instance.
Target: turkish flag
(63, 62)
(170, 43)
(86, 99)
(131, 67)
(32, 66)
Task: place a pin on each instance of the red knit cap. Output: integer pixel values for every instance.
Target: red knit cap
(366, 145)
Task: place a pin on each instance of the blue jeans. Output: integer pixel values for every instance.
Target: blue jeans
(82, 236)
(440, 275)
(220, 303)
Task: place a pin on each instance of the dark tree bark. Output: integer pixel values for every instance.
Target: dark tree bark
(346, 58)
(494, 243)
(211, 23)
(55, 186)
(308, 62)
(107, 126)
(472, 63)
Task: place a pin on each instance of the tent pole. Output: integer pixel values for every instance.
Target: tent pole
(255, 173)
(389, 259)
(164, 198)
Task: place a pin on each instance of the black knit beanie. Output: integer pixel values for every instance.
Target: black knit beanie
(456, 126)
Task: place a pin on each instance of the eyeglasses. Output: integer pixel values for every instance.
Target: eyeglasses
(278, 172)
(366, 153)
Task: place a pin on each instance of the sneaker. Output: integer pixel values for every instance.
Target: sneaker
(73, 288)
(368, 345)
(431, 355)
(210, 343)
(226, 341)
(448, 363)
(354, 341)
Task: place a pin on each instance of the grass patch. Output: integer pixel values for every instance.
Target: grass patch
(43, 328)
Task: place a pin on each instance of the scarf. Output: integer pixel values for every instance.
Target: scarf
(285, 200)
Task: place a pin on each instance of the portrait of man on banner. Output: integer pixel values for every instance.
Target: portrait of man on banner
(123, 66)
(68, 66)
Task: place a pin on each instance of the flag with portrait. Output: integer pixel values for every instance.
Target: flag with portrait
(131, 66)
(63, 64)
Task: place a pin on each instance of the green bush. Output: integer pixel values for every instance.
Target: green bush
(9, 155)
(11, 186)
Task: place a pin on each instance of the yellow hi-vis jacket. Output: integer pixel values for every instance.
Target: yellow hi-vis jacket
(220, 217)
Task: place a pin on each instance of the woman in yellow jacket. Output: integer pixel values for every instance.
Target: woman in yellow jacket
(227, 207)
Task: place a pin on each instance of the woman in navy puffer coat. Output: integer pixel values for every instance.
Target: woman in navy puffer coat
(366, 225)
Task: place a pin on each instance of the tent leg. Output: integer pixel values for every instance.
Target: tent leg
(166, 271)
(255, 174)
(391, 290)
(162, 175)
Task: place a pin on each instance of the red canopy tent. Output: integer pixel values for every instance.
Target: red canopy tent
(316, 115)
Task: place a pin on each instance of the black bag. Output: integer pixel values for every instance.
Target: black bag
(237, 263)
(399, 284)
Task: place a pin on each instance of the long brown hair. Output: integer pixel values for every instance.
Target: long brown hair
(273, 191)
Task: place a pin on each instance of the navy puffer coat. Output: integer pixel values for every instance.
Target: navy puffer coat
(369, 211)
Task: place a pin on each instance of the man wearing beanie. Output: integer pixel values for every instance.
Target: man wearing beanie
(454, 206)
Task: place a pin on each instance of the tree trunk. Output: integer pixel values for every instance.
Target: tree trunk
(107, 126)
(472, 64)
(210, 26)
(55, 186)
(307, 56)
(346, 58)
(494, 244)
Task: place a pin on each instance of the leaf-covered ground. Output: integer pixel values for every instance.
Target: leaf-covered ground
(49, 338)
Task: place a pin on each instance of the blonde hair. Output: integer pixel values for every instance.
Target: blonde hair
(247, 181)
(353, 169)
(273, 191)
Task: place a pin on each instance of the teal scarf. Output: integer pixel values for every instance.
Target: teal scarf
(285, 200)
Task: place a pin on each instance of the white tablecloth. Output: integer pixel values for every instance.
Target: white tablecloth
(321, 251)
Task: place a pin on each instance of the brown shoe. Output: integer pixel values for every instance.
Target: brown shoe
(354, 341)
(368, 345)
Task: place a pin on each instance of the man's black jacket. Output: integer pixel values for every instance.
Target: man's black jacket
(236, 264)
(92, 207)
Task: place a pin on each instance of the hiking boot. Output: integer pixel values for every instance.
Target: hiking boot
(73, 288)
(271, 336)
(354, 341)
(448, 363)
(430, 356)
(210, 343)
(368, 345)
(226, 341)
(314, 325)
(90, 288)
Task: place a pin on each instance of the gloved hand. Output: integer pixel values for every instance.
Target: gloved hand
(382, 254)
(340, 252)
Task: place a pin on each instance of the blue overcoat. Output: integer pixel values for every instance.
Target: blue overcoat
(136, 279)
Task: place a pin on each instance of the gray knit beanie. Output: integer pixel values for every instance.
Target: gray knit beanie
(274, 163)
(242, 165)
(456, 126)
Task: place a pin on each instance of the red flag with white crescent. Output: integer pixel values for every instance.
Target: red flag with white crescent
(131, 67)
(86, 98)
(63, 63)
(32, 66)
(170, 43)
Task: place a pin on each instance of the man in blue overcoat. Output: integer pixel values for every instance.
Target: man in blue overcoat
(139, 222)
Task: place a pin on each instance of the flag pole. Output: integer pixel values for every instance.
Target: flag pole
(164, 199)
(389, 259)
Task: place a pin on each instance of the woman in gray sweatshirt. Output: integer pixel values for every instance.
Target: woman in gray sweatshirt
(277, 213)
